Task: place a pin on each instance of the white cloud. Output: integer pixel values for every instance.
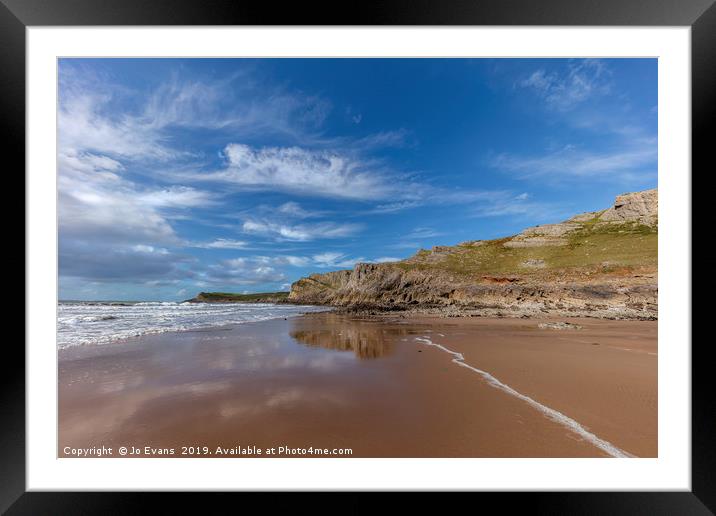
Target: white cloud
(386, 259)
(628, 152)
(520, 206)
(322, 260)
(423, 195)
(393, 207)
(297, 170)
(82, 124)
(411, 239)
(96, 202)
(335, 259)
(383, 139)
(113, 230)
(563, 90)
(300, 232)
(620, 164)
(97, 114)
(148, 249)
(176, 197)
(419, 233)
(293, 209)
(295, 261)
(221, 243)
(241, 271)
(327, 258)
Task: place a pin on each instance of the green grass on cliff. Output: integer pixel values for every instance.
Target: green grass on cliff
(228, 296)
(620, 245)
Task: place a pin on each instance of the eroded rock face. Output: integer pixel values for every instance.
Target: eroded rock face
(641, 207)
(383, 286)
(422, 282)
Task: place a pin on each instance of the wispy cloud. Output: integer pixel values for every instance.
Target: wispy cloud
(293, 261)
(422, 232)
(326, 259)
(314, 173)
(521, 206)
(294, 209)
(394, 207)
(579, 96)
(415, 238)
(624, 164)
(385, 259)
(113, 228)
(382, 139)
(221, 243)
(89, 116)
(564, 89)
(335, 259)
(300, 232)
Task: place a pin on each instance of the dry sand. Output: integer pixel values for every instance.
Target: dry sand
(377, 387)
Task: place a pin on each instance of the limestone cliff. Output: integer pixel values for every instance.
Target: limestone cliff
(595, 264)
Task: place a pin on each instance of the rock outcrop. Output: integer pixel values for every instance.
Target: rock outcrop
(641, 207)
(637, 207)
(548, 234)
(599, 264)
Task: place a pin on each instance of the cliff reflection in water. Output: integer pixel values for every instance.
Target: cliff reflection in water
(365, 339)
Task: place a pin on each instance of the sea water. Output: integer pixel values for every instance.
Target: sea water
(82, 323)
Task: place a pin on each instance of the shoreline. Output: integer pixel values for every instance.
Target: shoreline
(377, 314)
(497, 313)
(370, 383)
(463, 311)
(114, 323)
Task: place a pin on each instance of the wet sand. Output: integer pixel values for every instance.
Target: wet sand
(379, 387)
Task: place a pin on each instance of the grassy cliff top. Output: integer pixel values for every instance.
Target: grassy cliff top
(591, 246)
(226, 297)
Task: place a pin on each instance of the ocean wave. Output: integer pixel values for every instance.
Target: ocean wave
(86, 319)
(94, 323)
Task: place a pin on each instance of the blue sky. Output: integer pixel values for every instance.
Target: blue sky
(183, 175)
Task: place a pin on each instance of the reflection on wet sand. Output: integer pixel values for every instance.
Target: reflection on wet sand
(365, 339)
(209, 387)
(286, 382)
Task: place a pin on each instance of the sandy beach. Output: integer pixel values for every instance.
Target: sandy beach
(385, 387)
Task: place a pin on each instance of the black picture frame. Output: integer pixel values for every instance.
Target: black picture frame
(700, 15)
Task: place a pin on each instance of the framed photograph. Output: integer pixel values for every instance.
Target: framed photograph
(420, 248)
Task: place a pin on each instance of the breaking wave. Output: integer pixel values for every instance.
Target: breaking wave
(90, 323)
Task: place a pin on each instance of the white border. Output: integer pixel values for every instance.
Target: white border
(670, 471)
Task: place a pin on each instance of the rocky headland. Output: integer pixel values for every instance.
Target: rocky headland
(225, 297)
(598, 264)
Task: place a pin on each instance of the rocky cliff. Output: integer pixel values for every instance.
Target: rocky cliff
(601, 264)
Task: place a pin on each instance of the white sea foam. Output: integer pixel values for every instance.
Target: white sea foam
(551, 413)
(100, 323)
